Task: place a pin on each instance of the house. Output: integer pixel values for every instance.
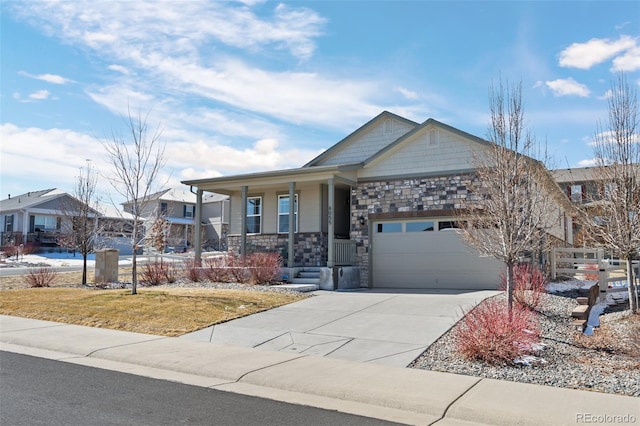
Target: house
(177, 207)
(43, 218)
(35, 217)
(378, 207)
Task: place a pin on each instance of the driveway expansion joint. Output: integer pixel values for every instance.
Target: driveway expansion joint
(124, 345)
(446, 410)
(269, 366)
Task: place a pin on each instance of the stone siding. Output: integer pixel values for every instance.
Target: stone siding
(406, 198)
(310, 247)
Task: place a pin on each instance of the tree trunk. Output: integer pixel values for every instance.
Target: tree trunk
(510, 288)
(631, 286)
(84, 269)
(134, 272)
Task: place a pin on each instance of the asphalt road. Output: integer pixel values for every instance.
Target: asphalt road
(37, 391)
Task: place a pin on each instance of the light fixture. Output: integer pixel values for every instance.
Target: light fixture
(361, 220)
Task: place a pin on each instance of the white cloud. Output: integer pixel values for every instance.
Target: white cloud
(119, 68)
(628, 62)
(595, 51)
(40, 95)
(587, 163)
(568, 87)
(408, 94)
(49, 78)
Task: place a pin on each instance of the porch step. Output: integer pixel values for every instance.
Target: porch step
(309, 274)
(303, 288)
(298, 280)
(582, 300)
(581, 312)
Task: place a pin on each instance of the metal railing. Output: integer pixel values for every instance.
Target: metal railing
(344, 252)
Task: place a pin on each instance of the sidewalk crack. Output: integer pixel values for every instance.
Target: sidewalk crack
(446, 410)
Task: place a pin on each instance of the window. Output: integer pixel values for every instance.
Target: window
(254, 215)
(45, 223)
(419, 226)
(283, 213)
(163, 209)
(576, 193)
(447, 225)
(8, 223)
(389, 227)
(189, 211)
(609, 190)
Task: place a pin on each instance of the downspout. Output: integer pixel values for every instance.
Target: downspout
(197, 239)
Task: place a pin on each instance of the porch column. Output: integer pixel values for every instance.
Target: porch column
(243, 221)
(292, 223)
(197, 238)
(26, 220)
(330, 219)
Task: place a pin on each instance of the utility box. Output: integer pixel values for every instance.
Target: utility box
(107, 265)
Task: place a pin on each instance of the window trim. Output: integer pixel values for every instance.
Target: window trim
(259, 215)
(296, 205)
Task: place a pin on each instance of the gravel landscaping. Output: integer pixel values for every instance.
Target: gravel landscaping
(605, 362)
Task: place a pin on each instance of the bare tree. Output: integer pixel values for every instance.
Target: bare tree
(614, 220)
(513, 210)
(80, 216)
(137, 158)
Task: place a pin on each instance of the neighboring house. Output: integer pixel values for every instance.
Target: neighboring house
(381, 202)
(35, 217)
(178, 208)
(43, 217)
(115, 228)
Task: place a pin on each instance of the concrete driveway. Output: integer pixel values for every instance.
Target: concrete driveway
(387, 327)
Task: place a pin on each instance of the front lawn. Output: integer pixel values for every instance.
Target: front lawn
(163, 312)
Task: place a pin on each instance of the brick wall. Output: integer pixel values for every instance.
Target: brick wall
(310, 247)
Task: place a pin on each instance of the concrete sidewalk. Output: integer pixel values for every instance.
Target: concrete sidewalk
(392, 393)
(391, 327)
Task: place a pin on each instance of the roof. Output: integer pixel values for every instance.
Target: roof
(417, 129)
(110, 211)
(182, 195)
(361, 129)
(579, 174)
(30, 199)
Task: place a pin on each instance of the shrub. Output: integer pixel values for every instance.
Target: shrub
(237, 268)
(529, 283)
(194, 273)
(41, 277)
(591, 276)
(154, 273)
(264, 267)
(171, 272)
(487, 334)
(214, 270)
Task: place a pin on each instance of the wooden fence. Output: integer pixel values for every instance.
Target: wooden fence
(576, 261)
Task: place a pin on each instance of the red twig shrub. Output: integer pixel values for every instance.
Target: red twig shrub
(214, 270)
(591, 276)
(487, 334)
(529, 283)
(264, 267)
(194, 273)
(154, 273)
(237, 269)
(41, 277)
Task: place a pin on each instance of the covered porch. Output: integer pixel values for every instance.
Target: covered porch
(312, 231)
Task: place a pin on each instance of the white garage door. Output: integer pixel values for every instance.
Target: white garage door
(428, 254)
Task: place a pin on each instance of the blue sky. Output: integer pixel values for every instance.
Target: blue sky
(248, 86)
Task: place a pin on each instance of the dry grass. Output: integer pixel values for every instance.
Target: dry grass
(63, 279)
(166, 312)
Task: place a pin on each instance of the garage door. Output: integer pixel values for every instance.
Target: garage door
(428, 254)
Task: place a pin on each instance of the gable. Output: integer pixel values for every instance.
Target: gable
(431, 149)
(366, 141)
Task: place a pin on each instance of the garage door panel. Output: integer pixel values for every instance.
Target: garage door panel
(431, 259)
